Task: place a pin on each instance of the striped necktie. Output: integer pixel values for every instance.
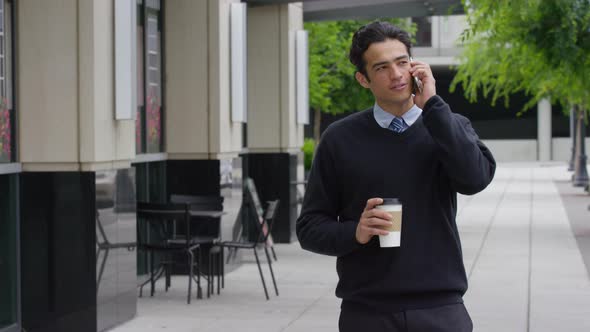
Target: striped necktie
(398, 125)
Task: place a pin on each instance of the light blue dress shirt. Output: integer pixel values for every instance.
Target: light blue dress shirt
(384, 119)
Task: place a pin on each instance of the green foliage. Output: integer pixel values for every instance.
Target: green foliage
(308, 149)
(332, 86)
(540, 47)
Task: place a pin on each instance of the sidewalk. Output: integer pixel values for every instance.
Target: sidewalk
(525, 269)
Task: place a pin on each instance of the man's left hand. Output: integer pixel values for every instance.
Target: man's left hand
(424, 73)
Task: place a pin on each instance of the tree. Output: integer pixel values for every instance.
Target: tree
(332, 86)
(539, 47)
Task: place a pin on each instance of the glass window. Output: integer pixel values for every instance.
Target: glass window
(153, 84)
(149, 78)
(8, 255)
(140, 85)
(6, 109)
(150, 187)
(423, 31)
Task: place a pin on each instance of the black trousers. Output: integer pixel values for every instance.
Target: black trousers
(447, 318)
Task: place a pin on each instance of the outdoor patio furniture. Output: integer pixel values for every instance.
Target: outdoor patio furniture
(206, 211)
(162, 219)
(261, 236)
(252, 208)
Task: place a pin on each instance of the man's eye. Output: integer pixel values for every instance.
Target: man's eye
(404, 62)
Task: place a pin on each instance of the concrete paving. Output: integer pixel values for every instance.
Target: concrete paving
(526, 270)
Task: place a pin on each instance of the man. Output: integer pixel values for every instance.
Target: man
(411, 147)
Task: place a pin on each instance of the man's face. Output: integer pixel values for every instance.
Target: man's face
(389, 78)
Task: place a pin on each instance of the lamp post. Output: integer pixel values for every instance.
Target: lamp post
(581, 174)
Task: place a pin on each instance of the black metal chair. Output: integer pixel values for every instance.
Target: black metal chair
(262, 233)
(163, 220)
(206, 201)
(252, 207)
(206, 230)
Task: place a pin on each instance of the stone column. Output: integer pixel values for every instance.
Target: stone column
(76, 161)
(274, 136)
(544, 130)
(202, 142)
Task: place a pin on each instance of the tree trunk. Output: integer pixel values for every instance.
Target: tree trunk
(577, 145)
(573, 131)
(580, 173)
(317, 118)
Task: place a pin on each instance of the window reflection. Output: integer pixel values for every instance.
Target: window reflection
(5, 132)
(149, 79)
(140, 96)
(6, 123)
(423, 31)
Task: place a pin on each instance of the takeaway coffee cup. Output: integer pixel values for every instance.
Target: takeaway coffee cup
(394, 207)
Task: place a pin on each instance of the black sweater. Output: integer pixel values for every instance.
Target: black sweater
(425, 166)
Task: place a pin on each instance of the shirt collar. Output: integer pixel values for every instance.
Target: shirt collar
(384, 119)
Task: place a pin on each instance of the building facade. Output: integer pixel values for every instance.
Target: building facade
(106, 103)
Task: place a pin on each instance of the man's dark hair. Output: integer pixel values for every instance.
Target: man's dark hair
(374, 32)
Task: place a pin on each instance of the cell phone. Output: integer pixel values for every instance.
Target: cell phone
(417, 86)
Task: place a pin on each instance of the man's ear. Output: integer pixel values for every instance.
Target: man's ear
(362, 79)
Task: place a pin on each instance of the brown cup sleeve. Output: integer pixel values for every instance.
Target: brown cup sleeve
(397, 221)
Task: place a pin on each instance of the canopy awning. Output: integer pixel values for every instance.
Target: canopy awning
(323, 10)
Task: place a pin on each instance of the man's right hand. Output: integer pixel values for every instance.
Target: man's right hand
(373, 221)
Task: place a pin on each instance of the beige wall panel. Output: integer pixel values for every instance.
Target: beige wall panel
(104, 89)
(264, 77)
(187, 91)
(296, 19)
(86, 85)
(48, 81)
(213, 74)
(102, 138)
(225, 136)
(114, 139)
(230, 133)
(291, 21)
(235, 142)
(125, 140)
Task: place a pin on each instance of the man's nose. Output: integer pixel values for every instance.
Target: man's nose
(395, 73)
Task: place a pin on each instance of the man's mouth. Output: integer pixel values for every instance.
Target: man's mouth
(399, 87)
